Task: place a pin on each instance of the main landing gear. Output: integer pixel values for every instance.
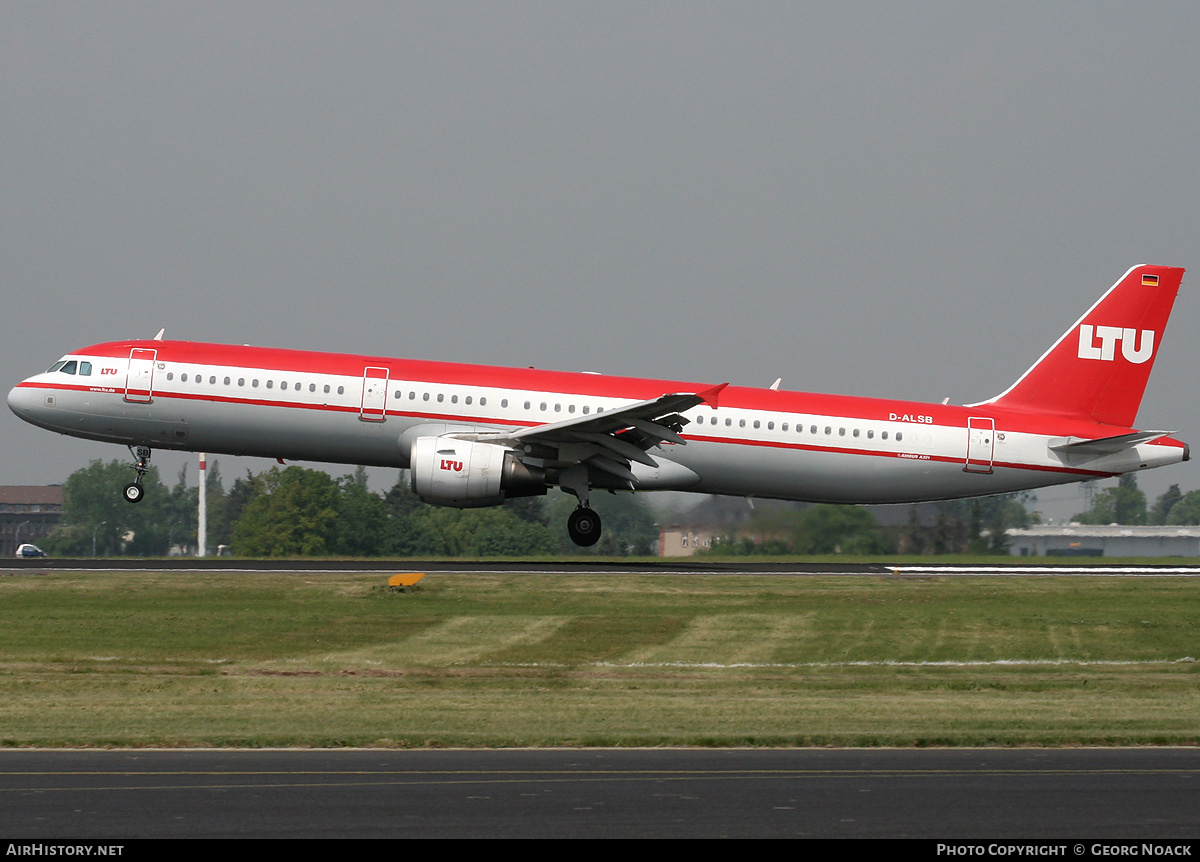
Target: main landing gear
(134, 492)
(584, 527)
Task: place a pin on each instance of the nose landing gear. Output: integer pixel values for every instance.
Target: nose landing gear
(134, 492)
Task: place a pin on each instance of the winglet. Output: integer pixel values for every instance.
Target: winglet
(709, 396)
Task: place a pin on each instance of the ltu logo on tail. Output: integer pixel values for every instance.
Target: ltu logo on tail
(1108, 336)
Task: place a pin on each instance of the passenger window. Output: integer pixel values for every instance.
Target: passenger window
(341, 390)
(182, 377)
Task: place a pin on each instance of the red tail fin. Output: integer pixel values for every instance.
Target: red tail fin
(1099, 367)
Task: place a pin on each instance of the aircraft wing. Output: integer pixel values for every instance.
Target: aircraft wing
(608, 441)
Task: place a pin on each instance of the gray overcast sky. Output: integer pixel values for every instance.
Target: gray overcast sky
(902, 199)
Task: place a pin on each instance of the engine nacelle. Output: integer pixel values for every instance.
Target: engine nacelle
(447, 471)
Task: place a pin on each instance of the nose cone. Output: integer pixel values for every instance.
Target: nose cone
(20, 401)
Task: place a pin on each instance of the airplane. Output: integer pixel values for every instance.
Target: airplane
(474, 435)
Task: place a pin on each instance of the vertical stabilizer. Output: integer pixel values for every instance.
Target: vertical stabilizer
(1099, 367)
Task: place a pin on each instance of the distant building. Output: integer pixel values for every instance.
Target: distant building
(1115, 540)
(27, 513)
(684, 540)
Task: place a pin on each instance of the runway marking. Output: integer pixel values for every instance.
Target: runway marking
(1034, 662)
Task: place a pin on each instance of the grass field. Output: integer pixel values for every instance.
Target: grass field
(162, 659)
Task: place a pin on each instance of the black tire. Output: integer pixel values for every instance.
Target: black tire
(133, 493)
(584, 527)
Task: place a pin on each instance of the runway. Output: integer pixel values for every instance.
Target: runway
(1082, 794)
(677, 566)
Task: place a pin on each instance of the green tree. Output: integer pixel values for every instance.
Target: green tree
(493, 531)
(1124, 504)
(221, 523)
(295, 514)
(628, 524)
(819, 529)
(1162, 506)
(363, 523)
(1186, 511)
(93, 508)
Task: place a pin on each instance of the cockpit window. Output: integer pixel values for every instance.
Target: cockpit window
(70, 367)
(85, 368)
(56, 366)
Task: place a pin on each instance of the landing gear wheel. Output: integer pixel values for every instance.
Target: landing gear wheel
(584, 527)
(133, 492)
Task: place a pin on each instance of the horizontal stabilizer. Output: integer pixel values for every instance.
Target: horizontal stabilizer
(1104, 445)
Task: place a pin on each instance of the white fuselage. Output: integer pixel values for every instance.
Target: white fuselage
(339, 408)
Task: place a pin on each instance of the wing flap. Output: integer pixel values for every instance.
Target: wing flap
(612, 440)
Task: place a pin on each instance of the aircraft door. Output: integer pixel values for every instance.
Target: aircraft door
(981, 444)
(139, 379)
(374, 397)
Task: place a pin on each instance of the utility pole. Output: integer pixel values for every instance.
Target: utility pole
(202, 527)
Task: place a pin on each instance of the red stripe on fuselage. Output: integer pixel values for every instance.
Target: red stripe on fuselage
(509, 423)
(250, 360)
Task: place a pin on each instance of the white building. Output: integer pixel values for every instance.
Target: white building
(1115, 540)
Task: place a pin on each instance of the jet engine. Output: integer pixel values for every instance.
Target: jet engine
(447, 471)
